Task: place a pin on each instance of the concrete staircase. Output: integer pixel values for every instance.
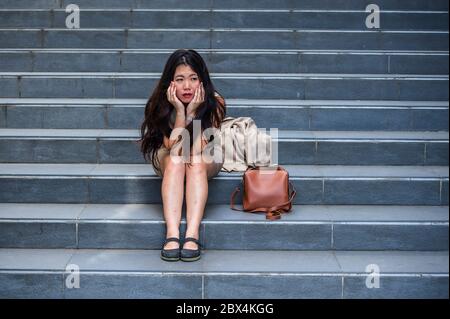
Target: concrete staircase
(363, 131)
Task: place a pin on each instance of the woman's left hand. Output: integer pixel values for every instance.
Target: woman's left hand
(199, 98)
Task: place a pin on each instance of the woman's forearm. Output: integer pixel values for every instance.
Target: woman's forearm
(180, 122)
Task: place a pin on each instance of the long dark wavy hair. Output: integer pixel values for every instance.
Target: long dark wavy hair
(158, 109)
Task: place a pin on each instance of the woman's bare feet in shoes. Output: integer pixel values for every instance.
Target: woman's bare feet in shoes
(191, 244)
(172, 245)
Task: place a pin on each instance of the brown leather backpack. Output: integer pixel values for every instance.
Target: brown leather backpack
(266, 190)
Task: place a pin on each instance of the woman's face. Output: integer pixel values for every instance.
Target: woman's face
(186, 82)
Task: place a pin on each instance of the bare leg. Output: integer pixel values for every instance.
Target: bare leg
(197, 177)
(196, 196)
(172, 191)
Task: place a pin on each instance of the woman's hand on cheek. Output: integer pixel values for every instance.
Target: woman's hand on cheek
(199, 98)
(173, 99)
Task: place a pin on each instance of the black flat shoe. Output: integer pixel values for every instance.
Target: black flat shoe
(170, 254)
(190, 254)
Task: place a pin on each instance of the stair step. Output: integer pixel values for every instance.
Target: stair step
(234, 102)
(441, 5)
(305, 147)
(28, 273)
(231, 85)
(303, 115)
(41, 60)
(76, 194)
(138, 18)
(305, 228)
(132, 183)
(224, 38)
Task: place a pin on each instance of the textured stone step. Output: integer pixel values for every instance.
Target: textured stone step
(224, 38)
(323, 19)
(305, 147)
(137, 183)
(232, 85)
(303, 115)
(230, 4)
(333, 78)
(305, 228)
(53, 60)
(223, 274)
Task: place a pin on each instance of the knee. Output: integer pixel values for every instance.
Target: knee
(175, 167)
(195, 168)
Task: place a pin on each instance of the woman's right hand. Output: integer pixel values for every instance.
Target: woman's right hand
(173, 99)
